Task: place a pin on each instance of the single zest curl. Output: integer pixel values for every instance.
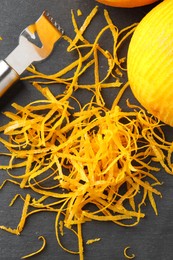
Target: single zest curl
(38, 251)
(126, 255)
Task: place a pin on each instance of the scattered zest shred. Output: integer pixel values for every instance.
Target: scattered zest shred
(91, 241)
(38, 251)
(126, 255)
(21, 224)
(79, 12)
(93, 155)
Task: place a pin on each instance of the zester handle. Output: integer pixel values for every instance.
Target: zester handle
(8, 76)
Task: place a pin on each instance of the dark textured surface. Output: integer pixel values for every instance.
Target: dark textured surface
(152, 238)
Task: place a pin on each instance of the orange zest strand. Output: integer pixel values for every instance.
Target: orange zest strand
(126, 255)
(80, 241)
(38, 251)
(21, 224)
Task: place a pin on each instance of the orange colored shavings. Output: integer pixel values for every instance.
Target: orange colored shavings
(94, 156)
(89, 53)
(108, 154)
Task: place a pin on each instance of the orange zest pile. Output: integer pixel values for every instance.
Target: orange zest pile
(91, 156)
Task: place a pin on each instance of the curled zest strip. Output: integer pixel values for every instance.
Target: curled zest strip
(128, 256)
(38, 251)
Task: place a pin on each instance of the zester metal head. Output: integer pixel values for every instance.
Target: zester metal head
(43, 34)
(36, 43)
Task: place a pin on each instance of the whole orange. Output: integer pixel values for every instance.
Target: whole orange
(126, 3)
(150, 62)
